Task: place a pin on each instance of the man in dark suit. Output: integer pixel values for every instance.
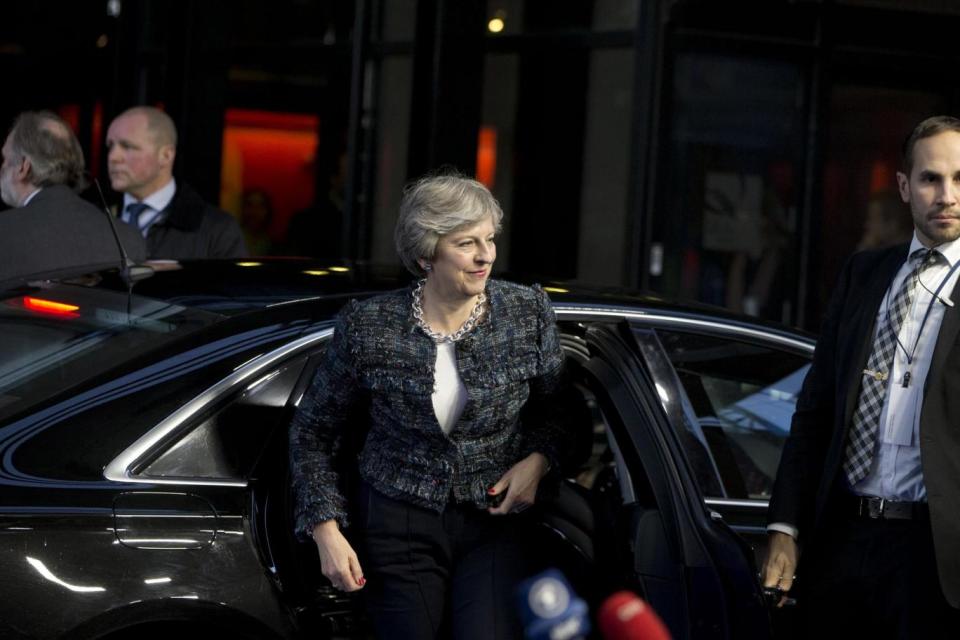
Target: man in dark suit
(51, 230)
(869, 480)
(176, 222)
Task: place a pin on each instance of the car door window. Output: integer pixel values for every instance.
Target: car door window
(227, 443)
(743, 395)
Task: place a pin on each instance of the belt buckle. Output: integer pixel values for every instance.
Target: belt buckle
(872, 507)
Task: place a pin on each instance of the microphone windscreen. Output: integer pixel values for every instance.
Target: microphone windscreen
(550, 610)
(625, 616)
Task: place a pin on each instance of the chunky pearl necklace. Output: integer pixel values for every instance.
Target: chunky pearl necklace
(439, 338)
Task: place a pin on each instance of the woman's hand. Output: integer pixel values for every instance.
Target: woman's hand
(520, 482)
(338, 560)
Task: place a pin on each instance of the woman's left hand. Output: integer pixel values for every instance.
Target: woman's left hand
(520, 482)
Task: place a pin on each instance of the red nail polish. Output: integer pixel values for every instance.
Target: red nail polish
(362, 581)
(491, 491)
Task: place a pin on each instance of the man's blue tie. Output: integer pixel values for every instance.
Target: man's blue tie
(134, 211)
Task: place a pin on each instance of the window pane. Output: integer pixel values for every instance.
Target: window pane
(559, 165)
(606, 167)
(227, 444)
(509, 17)
(501, 76)
(743, 396)
(726, 224)
(399, 20)
(861, 208)
(396, 79)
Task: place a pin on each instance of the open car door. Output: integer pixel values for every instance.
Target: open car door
(695, 571)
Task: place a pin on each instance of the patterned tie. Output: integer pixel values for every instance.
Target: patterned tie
(134, 211)
(866, 418)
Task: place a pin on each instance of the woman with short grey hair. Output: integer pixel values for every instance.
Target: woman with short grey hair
(435, 206)
(441, 371)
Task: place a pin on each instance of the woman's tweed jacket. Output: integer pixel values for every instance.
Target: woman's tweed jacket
(512, 358)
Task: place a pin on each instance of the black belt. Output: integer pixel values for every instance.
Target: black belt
(880, 509)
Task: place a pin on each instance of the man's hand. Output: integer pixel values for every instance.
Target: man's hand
(781, 563)
(338, 561)
(520, 482)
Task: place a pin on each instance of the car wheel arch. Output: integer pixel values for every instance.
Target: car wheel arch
(162, 618)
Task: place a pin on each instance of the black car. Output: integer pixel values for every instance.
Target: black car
(144, 492)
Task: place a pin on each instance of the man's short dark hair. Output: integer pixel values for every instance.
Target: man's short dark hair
(54, 151)
(927, 129)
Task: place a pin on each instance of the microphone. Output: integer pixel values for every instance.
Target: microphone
(550, 610)
(947, 302)
(625, 616)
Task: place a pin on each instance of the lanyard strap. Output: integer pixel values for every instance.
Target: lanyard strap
(933, 299)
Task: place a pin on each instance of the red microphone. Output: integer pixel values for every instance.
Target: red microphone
(625, 616)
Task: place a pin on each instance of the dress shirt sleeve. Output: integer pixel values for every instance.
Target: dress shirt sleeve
(316, 432)
(783, 527)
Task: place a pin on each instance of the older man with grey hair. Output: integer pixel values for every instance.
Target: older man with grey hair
(50, 230)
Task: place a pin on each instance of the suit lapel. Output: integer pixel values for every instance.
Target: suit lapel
(865, 324)
(945, 339)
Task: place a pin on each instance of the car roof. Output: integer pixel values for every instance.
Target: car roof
(205, 302)
(234, 287)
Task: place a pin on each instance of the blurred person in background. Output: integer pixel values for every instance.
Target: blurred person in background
(256, 216)
(887, 222)
(175, 221)
(50, 227)
(317, 231)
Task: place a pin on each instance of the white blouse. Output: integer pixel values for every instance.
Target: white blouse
(449, 394)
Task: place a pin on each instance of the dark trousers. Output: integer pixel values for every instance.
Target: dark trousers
(874, 579)
(447, 575)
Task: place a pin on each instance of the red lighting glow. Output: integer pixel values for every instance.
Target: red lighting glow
(881, 176)
(273, 153)
(70, 113)
(487, 156)
(51, 307)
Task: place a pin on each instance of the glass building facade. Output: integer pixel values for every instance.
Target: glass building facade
(732, 153)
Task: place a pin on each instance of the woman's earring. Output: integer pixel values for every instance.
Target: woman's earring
(427, 267)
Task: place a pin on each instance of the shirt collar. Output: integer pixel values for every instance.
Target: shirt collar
(949, 250)
(30, 197)
(158, 200)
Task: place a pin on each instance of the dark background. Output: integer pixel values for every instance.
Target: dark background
(725, 152)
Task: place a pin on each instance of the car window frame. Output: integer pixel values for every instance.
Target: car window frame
(126, 466)
(803, 348)
(741, 330)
